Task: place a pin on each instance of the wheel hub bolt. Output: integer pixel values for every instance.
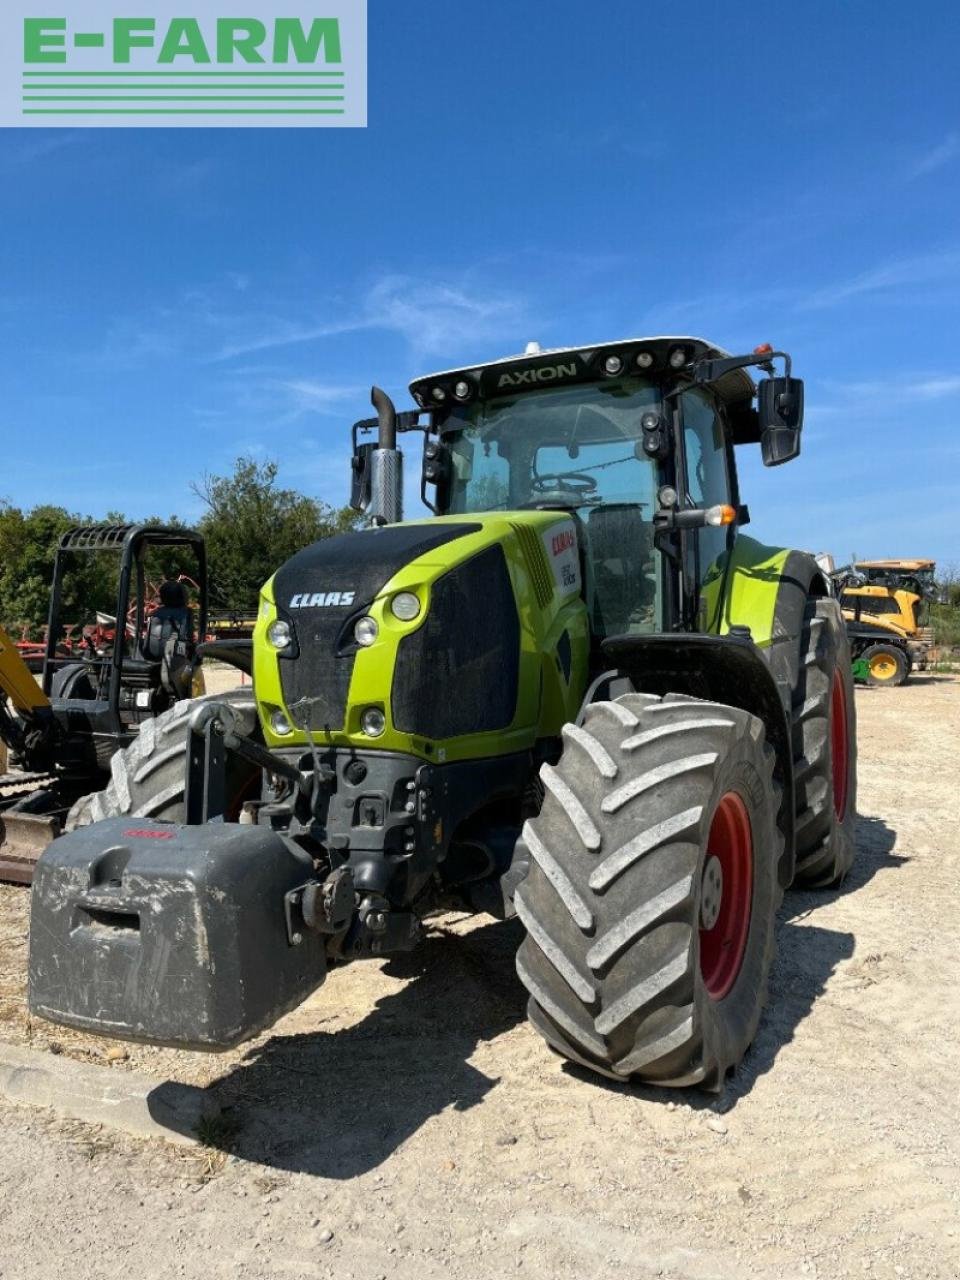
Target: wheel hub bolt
(711, 893)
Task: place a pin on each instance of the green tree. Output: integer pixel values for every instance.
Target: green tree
(28, 543)
(252, 526)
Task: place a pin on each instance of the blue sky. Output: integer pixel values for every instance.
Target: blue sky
(172, 298)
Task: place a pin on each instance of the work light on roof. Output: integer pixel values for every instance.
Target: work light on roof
(462, 390)
(439, 394)
(644, 360)
(678, 358)
(613, 365)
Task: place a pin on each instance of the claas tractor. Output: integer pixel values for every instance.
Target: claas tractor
(578, 694)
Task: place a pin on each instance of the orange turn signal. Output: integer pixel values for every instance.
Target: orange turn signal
(721, 515)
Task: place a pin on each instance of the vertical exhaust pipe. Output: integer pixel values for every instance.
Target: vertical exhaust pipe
(386, 464)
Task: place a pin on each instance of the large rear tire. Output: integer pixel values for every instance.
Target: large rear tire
(824, 750)
(148, 778)
(651, 899)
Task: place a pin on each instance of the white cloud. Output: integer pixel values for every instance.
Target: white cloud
(37, 149)
(435, 317)
(937, 388)
(931, 268)
(937, 157)
(430, 316)
(317, 397)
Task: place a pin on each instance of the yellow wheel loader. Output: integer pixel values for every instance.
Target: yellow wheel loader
(885, 604)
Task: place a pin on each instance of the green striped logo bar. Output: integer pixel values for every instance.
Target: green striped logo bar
(98, 64)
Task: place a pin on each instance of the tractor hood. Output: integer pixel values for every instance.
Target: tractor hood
(445, 662)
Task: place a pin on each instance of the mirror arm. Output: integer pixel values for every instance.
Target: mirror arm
(705, 371)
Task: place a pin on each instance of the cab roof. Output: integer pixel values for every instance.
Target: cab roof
(562, 366)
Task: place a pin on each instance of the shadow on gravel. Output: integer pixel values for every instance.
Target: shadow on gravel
(807, 956)
(337, 1104)
(875, 842)
(806, 959)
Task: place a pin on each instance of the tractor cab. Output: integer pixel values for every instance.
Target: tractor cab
(633, 439)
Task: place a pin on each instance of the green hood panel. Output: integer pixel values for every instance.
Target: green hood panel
(548, 630)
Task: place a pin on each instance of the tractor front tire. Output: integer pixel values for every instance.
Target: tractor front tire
(148, 778)
(650, 904)
(824, 750)
(887, 666)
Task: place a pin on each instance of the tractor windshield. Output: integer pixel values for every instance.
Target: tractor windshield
(573, 447)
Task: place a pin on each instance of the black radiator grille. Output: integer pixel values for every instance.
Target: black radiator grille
(321, 675)
(322, 591)
(458, 673)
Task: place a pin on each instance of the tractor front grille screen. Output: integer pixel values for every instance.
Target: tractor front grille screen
(324, 589)
(320, 674)
(458, 673)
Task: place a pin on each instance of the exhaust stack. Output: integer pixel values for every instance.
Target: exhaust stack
(386, 464)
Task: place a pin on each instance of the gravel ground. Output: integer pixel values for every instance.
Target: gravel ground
(406, 1123)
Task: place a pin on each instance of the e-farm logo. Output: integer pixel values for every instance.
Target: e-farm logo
(200, 63)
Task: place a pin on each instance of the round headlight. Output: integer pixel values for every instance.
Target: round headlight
(279, 634)
(365, 632)
(405, 606)
(678, 358)
(462, 390)
(373, 722)
(613, 364)
(644, 360)
(280, 725)
(439, 394)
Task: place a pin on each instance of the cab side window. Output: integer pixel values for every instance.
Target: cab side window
(708, 483)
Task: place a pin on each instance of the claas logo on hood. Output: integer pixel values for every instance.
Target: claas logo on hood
(323, 600)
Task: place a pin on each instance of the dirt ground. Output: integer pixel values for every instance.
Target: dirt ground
(406, 1123)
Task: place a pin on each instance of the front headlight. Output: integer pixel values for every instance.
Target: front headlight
(365, 632)
(373, 722)
(279, 634)
(405, 606)
(279, 723)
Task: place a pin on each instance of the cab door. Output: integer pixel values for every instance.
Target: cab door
(709, 482)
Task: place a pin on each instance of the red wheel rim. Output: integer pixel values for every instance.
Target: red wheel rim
(726, 896)
(839, 746)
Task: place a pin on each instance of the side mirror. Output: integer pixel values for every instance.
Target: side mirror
(780, 413)
(360, 469)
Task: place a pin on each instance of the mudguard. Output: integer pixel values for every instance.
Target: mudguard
(727, 669)
(765, 589)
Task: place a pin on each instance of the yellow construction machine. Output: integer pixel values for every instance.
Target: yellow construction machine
(885, 604)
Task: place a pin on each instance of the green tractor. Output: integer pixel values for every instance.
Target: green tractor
(577, 694)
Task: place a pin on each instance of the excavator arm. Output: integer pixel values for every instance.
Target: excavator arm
(16, 682)
(23, 834)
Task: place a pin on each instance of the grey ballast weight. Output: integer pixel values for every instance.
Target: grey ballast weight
(169, 934)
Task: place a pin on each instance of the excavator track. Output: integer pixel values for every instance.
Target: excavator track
(23, 836)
